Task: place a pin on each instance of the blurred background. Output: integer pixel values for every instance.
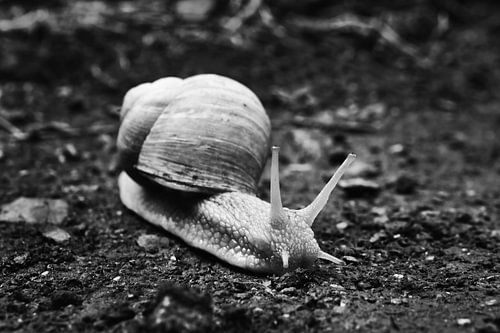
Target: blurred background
(411, 86)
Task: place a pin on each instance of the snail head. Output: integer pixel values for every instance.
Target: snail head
(291, 236)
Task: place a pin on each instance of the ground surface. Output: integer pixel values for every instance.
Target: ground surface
(423, 254)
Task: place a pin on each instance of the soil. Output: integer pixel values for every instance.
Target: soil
(422, 250)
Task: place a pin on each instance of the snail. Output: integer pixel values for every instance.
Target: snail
(192, 152)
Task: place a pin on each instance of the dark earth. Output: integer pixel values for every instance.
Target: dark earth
(416, 95)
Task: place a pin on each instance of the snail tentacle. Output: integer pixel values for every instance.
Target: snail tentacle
(311, 212)
(277, 218)
(329, 257)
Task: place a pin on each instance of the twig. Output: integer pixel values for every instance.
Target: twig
(364, 27)
(344, 126)
(234, 23)
(26, 21)
(35, 130)
(15, 131)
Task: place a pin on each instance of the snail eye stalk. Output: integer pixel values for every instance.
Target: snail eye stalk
(276, 206)
(311, 212)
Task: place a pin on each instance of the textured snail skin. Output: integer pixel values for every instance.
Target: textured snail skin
(232, 226)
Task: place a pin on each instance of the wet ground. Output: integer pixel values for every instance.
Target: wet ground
(422, 112)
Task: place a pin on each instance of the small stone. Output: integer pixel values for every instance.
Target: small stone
(463, 321)
(378, 236)
(362, 169)
(395, 226)
(342, 226)
(336, 286)
(34, 210)
(289, 291)
(21, 259)
(83, 188)
(359, 187)
(381, 219)
(397, 149)
(430, 258)
(148, 241)
(363, 285)
(379, 210)
(67, 153)
(398, 276)
(257, 310)
(194, 10)
(117, 278)
(491, 302)
(45, 273)
(152, 243)
(58, 235)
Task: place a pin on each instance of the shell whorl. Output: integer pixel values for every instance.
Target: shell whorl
(206, 133)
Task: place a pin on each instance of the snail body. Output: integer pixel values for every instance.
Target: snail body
(209, 136)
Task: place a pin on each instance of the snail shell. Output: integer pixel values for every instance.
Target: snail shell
(206, 133)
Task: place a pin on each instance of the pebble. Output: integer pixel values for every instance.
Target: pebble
(491, 302)
(463, 321)
(397, 149)
(342, 226)
(289, 290)
(148, 241)
(395, 226)
(336, 286)
(67, 153)
(58, 235)
(194, 10)
(378, 236)
(362, 169)
(35, 210)
(359, 187)
(21, 259)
